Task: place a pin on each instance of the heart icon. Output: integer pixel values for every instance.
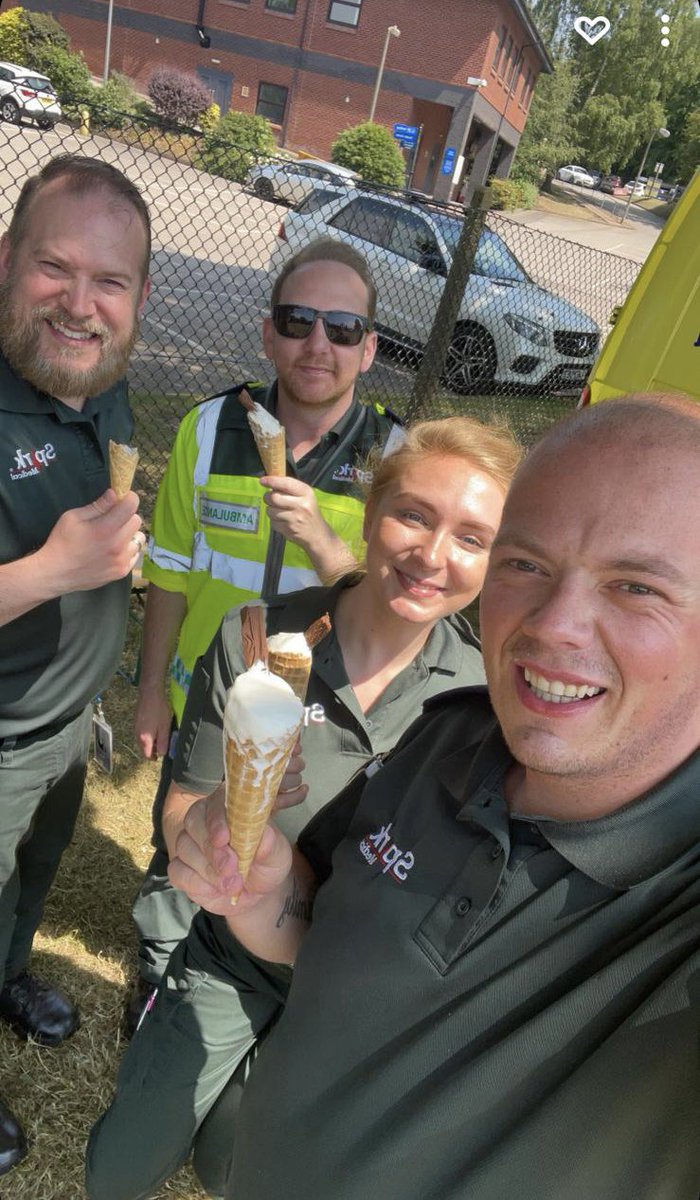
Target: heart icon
(592, 30)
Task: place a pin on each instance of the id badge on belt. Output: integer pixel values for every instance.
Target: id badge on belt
(102, 738)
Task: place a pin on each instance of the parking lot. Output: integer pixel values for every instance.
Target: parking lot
(212, 244)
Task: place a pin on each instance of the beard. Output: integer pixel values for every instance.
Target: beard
(59, 375)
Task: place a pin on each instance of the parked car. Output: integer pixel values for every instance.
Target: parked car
(670, 191)
(638, 187)
(577, 175)
(24, 93)
(292, 181)
(509, 330)
(610, 184)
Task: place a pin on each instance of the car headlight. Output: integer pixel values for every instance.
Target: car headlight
(532, 330)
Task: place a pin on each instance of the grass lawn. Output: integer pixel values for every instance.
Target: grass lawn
(87, 945)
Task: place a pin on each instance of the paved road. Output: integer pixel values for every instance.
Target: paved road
(632, 240)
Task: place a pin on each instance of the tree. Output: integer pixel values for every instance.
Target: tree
(177, 95)
(235, 143)
(605, 100)
(550, 138)
(689, 153)
(370, 150)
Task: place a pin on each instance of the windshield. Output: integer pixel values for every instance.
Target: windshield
(493, 258)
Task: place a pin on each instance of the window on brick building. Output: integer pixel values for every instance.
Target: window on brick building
(272, 101)
(499, 49)
(344, 12)
(526, 87)
(285, 6)
(506, 57)
(509, 71)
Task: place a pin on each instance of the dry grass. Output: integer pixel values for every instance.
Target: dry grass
(87, 945)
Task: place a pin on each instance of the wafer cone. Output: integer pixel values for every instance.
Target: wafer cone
(253, 776)
(273, 451)
(293, 668)
(123, 461)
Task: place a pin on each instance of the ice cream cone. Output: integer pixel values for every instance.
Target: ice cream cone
(294, 669)
(269, 438)
(262, 720)
(273, 452)
(252, 779)
(289, 656)
(123, 461)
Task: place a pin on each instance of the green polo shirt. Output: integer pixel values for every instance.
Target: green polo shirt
(55, 657)
(337, 737)
(486, 1006)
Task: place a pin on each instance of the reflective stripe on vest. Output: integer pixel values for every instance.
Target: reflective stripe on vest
(207, 420)
(244, 574)
(167, 559)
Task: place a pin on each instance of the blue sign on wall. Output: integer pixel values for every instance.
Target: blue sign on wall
(448, 161)
(406, 134)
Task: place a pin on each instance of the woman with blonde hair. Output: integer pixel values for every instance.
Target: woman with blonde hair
(433, 507)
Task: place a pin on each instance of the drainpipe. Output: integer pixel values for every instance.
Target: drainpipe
(295, 76)
(204, 39)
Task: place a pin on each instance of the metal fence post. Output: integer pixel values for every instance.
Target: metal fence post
(435, 354)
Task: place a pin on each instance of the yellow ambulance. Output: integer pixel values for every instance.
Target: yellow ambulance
(655, 343)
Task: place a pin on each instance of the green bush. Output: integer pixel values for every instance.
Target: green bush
(41, 29)
(209, 119)
(13, 36)
(235, 144)
(68, 73)
(370, 150)
(114, 103)
(512, 193)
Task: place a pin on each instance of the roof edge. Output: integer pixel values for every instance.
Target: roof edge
(537, 44)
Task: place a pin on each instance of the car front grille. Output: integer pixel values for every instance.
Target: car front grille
(575, 345)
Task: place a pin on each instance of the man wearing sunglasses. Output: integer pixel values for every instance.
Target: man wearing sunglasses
(224, 533)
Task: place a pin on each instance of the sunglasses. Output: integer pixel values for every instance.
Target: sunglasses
(297, 321)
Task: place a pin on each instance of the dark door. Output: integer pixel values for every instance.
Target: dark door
(219, 84)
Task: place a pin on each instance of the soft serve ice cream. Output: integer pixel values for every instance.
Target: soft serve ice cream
(262, 719)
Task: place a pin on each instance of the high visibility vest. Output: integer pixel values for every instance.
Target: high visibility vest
(211, 538)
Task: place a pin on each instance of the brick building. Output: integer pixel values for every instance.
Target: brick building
(310, 66)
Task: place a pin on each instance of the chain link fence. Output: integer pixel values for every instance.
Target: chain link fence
(528, 310)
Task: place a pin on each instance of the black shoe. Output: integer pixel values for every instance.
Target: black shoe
(35, 1009)
(142, 992)
(13, 1144)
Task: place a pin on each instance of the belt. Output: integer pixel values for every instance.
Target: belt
(18, 741)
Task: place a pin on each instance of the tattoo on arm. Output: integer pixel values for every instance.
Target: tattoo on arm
(295, 905)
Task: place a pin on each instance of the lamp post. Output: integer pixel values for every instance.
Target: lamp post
(108, 43)
(664, 133)
(392, 31)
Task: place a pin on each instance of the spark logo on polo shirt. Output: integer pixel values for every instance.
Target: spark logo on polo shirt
(347, 473)
(380, 847)
(31, 462)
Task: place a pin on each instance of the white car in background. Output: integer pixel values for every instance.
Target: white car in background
(293, 181)
(25, 93)
(577, 175)
(509, 331)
